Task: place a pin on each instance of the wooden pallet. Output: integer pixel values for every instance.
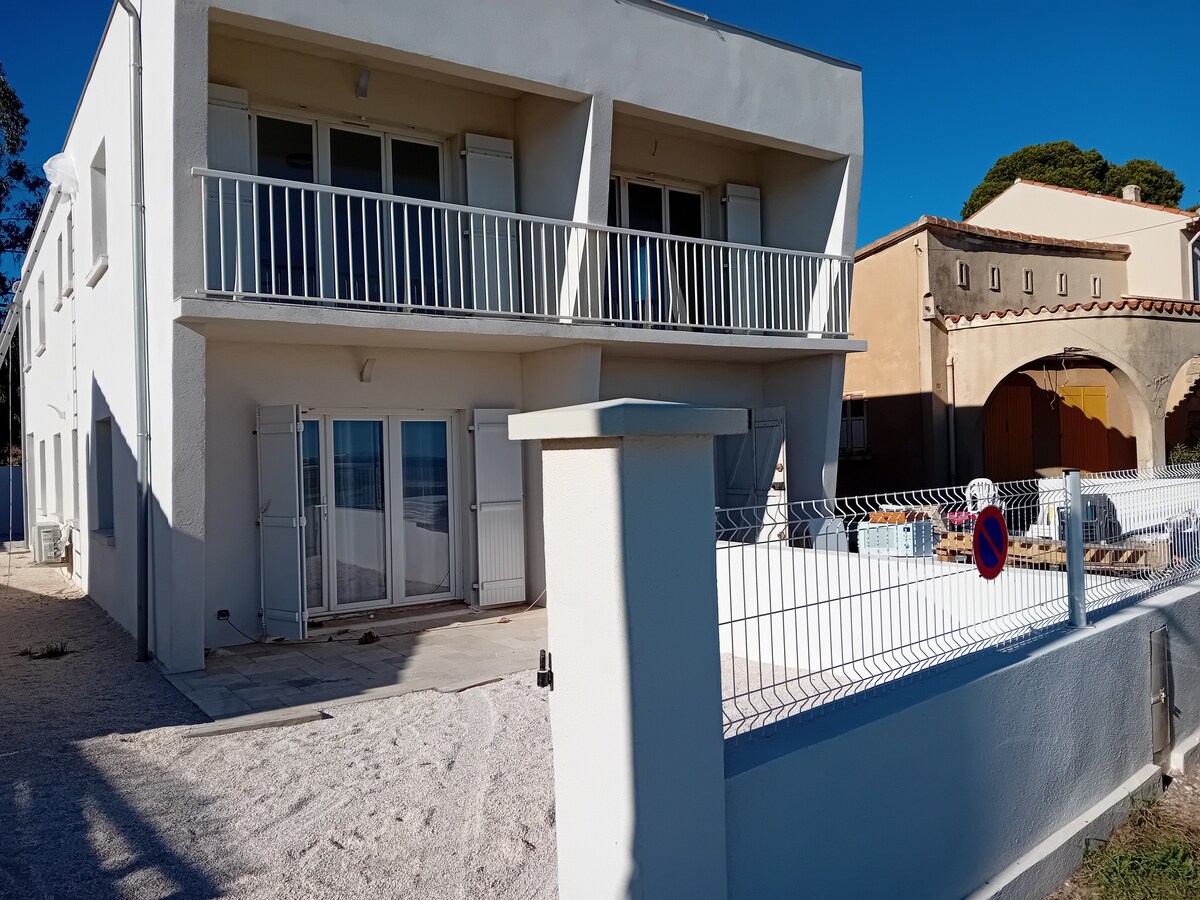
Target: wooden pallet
(1026, 552)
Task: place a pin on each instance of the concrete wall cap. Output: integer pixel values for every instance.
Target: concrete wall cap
(625, 417)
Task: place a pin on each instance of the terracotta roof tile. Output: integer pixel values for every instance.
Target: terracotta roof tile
(967, 228)
(1130, 304)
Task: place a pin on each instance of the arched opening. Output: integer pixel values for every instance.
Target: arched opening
(1183, 414)
(1066, 411)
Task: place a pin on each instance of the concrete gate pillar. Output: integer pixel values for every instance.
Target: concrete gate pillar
(639, 766)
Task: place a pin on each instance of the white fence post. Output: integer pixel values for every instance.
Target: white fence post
(631, 591)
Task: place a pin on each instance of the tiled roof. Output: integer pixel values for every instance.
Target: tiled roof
(1130, 304)
(978, 230)
(1054, 187)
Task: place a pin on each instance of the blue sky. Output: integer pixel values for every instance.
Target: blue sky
(948, 87)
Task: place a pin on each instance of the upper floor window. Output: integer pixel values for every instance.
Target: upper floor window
(1062, 284)
(1027, 281)
(963, 274)
(657, 207)
(1096, 287)
(994, 278)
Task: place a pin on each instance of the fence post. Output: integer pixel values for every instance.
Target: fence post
(1076, 584)
(635, 712)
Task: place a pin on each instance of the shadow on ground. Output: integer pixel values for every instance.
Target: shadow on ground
(65, 829)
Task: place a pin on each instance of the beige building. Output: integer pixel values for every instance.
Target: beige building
(1054, 329)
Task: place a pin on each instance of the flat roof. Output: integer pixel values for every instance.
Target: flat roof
(689, 14)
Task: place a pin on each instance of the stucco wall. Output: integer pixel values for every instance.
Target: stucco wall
(945, 783)
(885, 310)
(65, 390)
(624, 51)
(946, 248)
(242, 377)
(808, 389)
(1157, 263)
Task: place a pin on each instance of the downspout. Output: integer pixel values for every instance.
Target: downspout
(951, 400)
(141, 328)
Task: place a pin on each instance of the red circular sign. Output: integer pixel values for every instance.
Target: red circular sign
(989, 542)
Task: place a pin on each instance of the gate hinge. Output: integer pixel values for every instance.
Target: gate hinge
(545, 674)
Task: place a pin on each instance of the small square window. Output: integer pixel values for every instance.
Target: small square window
(1062, 284)
(994, 278)
(1027, 282)
(964, 274)
(1096, 287)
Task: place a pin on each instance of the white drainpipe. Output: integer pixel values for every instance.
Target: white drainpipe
(141, 328)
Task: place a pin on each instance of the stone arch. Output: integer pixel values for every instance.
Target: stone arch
(1182, 411)
(985, 356)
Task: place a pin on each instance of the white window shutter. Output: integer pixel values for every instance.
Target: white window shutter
(228, 129)
(491, 179)
(750, 466)
(743, 225)
(499, 510)
(229, 151)
(281, 522)
(491, 184)
(743, 215)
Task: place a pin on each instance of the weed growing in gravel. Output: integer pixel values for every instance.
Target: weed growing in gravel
(1155, 857)
(50, 650)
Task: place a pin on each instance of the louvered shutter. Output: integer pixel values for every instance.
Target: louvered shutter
(499, 510)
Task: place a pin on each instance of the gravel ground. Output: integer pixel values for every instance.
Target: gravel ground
(103, 795)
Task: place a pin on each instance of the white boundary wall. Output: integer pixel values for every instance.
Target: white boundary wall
(966, 780)
(979, 780)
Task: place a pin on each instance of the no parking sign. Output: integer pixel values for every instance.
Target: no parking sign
(989, 543)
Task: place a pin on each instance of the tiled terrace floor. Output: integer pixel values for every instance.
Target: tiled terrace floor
(442, 650)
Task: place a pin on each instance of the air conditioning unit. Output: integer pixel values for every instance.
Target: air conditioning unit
(48, 543)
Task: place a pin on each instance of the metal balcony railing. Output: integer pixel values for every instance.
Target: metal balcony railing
(283, 240)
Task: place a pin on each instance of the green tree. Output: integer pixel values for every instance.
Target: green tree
(1058, 162)
(1063, 164)
(1158, 185)
(21, 188)
(21, 194)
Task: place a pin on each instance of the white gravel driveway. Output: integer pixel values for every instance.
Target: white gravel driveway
(102, 794)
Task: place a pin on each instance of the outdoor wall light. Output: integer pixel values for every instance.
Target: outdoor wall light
(364, 84)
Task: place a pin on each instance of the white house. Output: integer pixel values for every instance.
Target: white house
(1164, 242)
(373, 230)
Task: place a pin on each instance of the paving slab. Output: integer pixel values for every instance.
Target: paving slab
(434, 651)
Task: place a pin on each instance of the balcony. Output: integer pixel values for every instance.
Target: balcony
(273, 240)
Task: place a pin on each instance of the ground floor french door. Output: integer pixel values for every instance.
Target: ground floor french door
(377, 493)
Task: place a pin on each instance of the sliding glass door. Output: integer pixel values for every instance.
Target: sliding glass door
(649, 279)
(425, 477)
(360, 522)
(379, 514)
